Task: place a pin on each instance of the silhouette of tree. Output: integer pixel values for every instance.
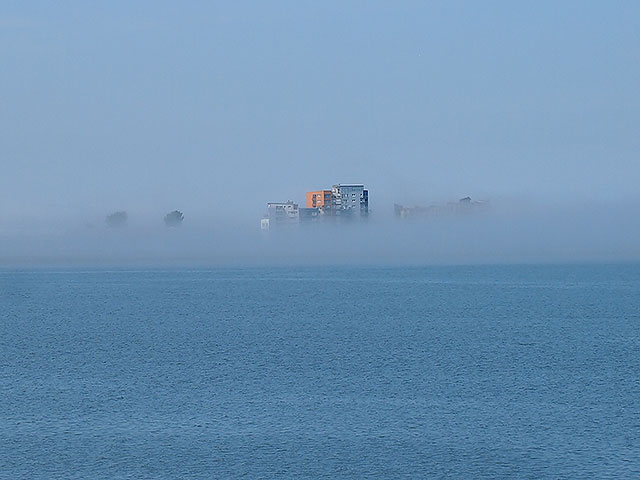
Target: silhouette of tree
(117, 219)
(173, 219)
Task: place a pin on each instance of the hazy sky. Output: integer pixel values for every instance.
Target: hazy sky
(150, 106)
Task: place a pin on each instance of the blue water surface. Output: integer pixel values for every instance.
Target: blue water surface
(436, 372)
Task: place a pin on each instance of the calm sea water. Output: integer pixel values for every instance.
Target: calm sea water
(444, 372)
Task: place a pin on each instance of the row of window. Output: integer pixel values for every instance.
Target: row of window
(344, 195)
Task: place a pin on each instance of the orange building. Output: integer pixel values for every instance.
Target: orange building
(319, 199)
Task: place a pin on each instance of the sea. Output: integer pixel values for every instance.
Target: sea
(512, 371)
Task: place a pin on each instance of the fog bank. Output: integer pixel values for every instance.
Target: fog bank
(502, 234)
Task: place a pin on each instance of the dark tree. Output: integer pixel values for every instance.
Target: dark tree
(117, 219)
(173, 219)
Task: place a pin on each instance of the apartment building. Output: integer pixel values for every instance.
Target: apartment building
(350, 199)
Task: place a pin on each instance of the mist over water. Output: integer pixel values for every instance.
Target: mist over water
(506, 232)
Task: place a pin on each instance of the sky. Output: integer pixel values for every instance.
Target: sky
(216, 108)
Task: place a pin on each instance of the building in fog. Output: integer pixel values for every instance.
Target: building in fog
(308, 215)
(343, 200)
(320, 199)
(463, 206)
(280, 214)
(350, 199)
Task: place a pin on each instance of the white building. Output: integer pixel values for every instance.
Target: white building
(280, 213)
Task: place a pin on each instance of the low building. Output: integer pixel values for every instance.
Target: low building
(308, 215)
(283, 210)
(463, 206)
(282, 213)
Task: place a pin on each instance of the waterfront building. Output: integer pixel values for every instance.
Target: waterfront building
(308, 215)
(282, 213)
(350, 199)
(343, 200)
(461, 207)
(322, 199)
